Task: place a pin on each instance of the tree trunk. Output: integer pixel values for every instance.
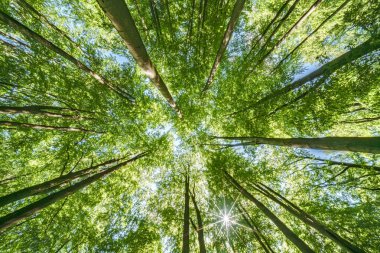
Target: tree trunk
(186, 219)
(300, 244)
(44, 127)
(51, 184)
(238, 7)
(199, 228)
(312, 33)
(367, 47)
(119, 15)
(299, 21)
(43, 18)
(29, 210)
(256, 42)
(344, 164)
(255, 230)
(355, 144)
(307, 219)
(46, 43)
(34, 110)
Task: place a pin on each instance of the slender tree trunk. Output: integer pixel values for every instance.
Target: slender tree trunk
(307, 219)
(199, 228)
(255, 230)
(266, 29)
(29, 210)
(313, 32)
(367, 47)
(119, 15)
(299, 21)
(355, 144)
(44, 127)
(51, 184)
(291, 9)
(34, 110)
(344, 164)
(186, 218)
(43, 18)
(238, 7)
(300, 244)
(46, 43)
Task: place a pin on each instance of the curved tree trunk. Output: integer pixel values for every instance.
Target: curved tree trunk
(355, 144)
(300, 244)
(51, 184)
(36, 110)
(307, 219)
(119, 15)
(238, 7)
(46, 43)
(29, 210)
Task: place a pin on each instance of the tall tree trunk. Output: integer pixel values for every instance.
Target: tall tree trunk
(299, 21)
(238, 7)
(119, 15)
(186, 218)
(43, 18)
(300, 244)
(306, 218)
(344, 164)
(327, 69)
(266, 29)
(199, 227)
(35, 110)
(355, 144)
(255, 230)
(45, 127)
(51, 184)
(312, 33)
(46, 43)
(29, 210)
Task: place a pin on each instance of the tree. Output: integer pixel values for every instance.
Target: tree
(118, 13)
(355, 144)
(199, 227)
(284, 229)
(186, 217)
(13, 218)
(238, 7)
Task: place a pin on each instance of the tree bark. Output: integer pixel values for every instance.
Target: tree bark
(46, 43)
(313, 32)
(344, 164)
(44, 127)
(355, 144)
(299, 21)
(186, 218)
(199, 228)
(255, 230)
(29, 210)
(35, 110)
(43, 18)
(119, 15)
(367, 47)
(238, 7)
(307, 219)
(256, 42)
(51, 184)
(300, 244)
